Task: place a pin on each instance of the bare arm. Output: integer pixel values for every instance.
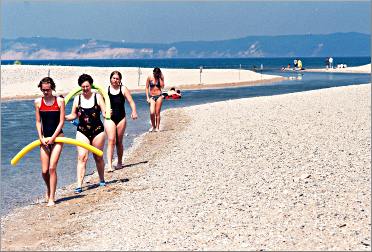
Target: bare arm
(132, 105)
(101, 104)
(73, 114)
(147, 89)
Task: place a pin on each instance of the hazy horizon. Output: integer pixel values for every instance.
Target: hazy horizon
(169, 22)
(183, 40)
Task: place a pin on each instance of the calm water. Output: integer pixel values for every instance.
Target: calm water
(21, 184)
(245, 63)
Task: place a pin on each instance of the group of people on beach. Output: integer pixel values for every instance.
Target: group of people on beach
(87, 108)
(297, 65)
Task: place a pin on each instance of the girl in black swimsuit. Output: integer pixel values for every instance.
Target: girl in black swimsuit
(88, 107)
(115, 127)
(90, 124)
(154, 85)
(50, 117)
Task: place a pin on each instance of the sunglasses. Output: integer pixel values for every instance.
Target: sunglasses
(45, 90)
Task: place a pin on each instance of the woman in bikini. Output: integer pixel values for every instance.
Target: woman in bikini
(115, 127)
(50, 117)
(154, 97)
(87, 107)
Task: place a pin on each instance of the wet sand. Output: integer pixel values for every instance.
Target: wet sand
(286, 172)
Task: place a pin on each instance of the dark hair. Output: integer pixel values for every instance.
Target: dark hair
(178, 91)
(157, 73)
(47, 80)
(85, 77)
(115, 72)
(173, 88)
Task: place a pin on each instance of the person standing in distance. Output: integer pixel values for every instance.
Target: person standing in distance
(154, 97)
(330, 62)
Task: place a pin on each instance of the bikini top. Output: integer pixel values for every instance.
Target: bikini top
(153, 85)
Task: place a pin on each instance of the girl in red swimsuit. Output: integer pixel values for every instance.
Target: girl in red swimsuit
(50, 117)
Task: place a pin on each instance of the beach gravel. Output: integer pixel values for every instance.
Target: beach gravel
(286, 172)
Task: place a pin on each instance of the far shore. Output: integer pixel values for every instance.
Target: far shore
(365, 69)
(21, 81)
(181, 87)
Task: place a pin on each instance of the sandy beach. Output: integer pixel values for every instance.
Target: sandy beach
(20, 81)
(286, 172)
(356, 69)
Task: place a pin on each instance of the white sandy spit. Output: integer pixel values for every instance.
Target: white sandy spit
(287, 172)
(22, 80)
(356, 69)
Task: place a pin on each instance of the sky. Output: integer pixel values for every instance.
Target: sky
(166, 21)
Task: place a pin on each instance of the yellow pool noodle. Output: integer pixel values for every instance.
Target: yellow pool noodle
(66, 140)
(100, 89)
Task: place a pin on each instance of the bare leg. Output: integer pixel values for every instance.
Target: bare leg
(82, 159)
(110, 129)
(99, 142)
(158, 104)
(44, 158)
(152, 113)
(54, 157)
(119, 143)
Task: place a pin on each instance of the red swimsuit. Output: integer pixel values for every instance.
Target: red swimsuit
(49, 117)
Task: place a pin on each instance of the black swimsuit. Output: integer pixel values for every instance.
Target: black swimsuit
(156, 97)
(117, 105)
(90, 124)
(50, 116)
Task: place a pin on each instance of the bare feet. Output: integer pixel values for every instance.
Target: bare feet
(46, 197)
(157, 130)
(51, 203)
(119, 166)
(110, 169)
(151, 129)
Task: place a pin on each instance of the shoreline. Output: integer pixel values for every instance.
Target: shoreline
(91, 192)
(365, 69)
(182, 87)
(20, 81)
(146, 200)
(39, 198)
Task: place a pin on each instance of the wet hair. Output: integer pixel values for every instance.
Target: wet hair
(178, 91)
(47, 80)
(157, 73)
(85, 77)
(173, 88)
(116, 72)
